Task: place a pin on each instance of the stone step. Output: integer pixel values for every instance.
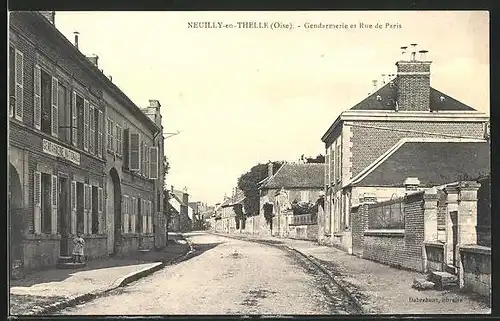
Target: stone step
(422, 284)
(65, 259)
(71, 265)
(443, 280)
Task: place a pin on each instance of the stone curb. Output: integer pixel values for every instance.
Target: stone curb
(342, 285)
(120, 282)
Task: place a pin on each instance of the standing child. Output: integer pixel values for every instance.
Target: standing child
(78, 249)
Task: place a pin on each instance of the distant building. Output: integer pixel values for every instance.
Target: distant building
(293, 183)
(179, 200)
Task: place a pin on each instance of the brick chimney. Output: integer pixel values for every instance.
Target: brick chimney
(413, 81)
(49, 15)
(269, 169)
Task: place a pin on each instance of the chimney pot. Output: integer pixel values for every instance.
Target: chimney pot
(172, 188)
(76, 33)
(269, 169)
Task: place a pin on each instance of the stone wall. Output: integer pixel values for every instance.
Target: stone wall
(95, 247)
(475, 269)
(434, 256)
(303, 232)
(41, 251)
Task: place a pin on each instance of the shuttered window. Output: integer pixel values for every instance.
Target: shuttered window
(37, 86)
(100, 210)
(142, 158)
(126, 213)
(92, 130)
(134, 151)
(133, 215)
(110, 146)
(37, 202)
(54, 201)
(86, 126)
(153, 156)
(73, 208)
(339, 162)
(55, 107)
(74, 120)
(119, 136)
(126, 149)
(19, 91)
(100, 128)
(150, 217)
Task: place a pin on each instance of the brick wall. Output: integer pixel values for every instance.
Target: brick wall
(370, 143)
(396, 248)
(359, 224)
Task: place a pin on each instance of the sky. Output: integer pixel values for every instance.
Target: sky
(240, 97)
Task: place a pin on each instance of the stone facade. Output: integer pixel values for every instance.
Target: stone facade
(59, 161)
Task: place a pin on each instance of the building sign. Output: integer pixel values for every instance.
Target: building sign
(60, 151)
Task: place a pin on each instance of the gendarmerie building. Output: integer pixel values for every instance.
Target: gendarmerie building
(82, 156)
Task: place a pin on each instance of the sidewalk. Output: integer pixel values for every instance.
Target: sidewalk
(380, 289)
(44, 291)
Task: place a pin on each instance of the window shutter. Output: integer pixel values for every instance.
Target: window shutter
(19, 84)
(125, 213)
(100, 128)
(55, 106)
(100, 209)
(85, 208)
(89, 211)
(145, 162)
(134, 152)
(74, 119)
(118, 135)
(86, 108)
(133, 215)
(150, 217)
(332, 164)
(126, 150)
(37, 202)
(73, 207)
(142, 158)
(92, 130)
(54, 201)
(339, 165)
(37, 108)
(153, 156)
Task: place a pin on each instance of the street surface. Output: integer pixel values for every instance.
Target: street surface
(226, 276)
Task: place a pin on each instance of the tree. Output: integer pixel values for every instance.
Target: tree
(249, 184)
(320, 159)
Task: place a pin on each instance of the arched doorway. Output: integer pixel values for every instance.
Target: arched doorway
(114, 212)
(16, 215)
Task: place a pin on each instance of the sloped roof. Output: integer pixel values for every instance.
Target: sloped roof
(172, 209)
(388, 97)
(178, 195)
(432, 162)
(292, 175)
